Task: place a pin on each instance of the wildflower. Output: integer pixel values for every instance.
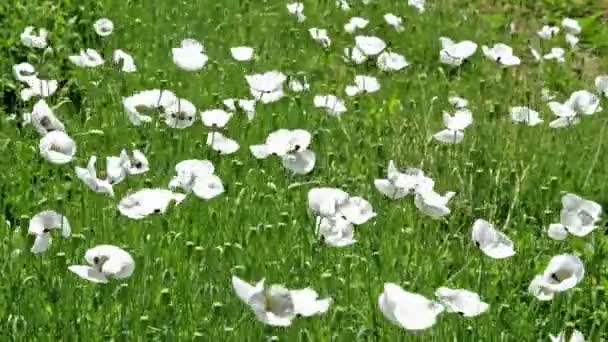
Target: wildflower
(122, 58)
(525, 115)
(458, 102)
(331, 202)
(335, 231)
(105, 262)
(57, 147)
(461, 301)
(41, 226)
(266, 87)
(197, 176)
(578, 217)
(502, 54)
(571, 26)
(548, 32)
(277, 305)
(291, 146)
(190, 55)
(363, 84)
(492, 243)
(572, 40)
(26, 73)
(30, 39)
(242, 53)
(455, 126)
(355, 55)
(149, 99)
(148, 201)
(400, 184)
(180, 114)
(298, 86)
(601, 84)
(296, 9)
(576, 336)
(89, 177)
(331, 103)
(355, 23)
(320, 36)
(215, 118)
(88, 58)
(103, 27)
(247, 106)
(221, 143)
(418, 4)
(431, 203)
(395, 21)
(556, 54)
(455, 53)
(391, 61)
(563, 272)
(44, 120)
(370, 45)
(408, 310)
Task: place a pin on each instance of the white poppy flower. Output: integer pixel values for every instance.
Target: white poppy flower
(320, 36)
(88, 58)
(221, 143)
(370, 45)
(57, 147)
(335, 231)
(298, 86)
(242, 53)
(395, 21)
(190, 55)
(41, 226)
(247, 106)
(601, 84)
(525, 115)
(557, 231)
(584, 102)
(576, 336)
(557, 54)
(30, 39)
(122, 58)
(399, 184)
(455, 126)
(331, 103)
(391, 61)
(355, 23)
(363, 84)
(117, 168)
(566, 115)
(354, 55)
(300, 163)
(148, 201)
(26, 73)
(215, 118)
(548, 32)
(356, 210)
(578, 215)
(44, 120)
(296, 9)
(501, 53)
(188, 171)
(149, 99)
(104, 27)
(432, 203)
(266, 87)
(418, 4)
(458, 102)
(282, 142)
(277, 305)
(564, 272)
(461, 301)
(572, 40)
(492, 243)
(89, 177)
(326, 202)
(408, 310)
(571, 26)
(180, 114)
(208, 187)
(455, 53)
(343, 5)
(105, 262)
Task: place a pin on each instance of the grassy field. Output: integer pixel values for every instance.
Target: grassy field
(511, 175)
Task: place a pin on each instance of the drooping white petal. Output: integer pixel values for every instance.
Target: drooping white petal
(57, 147)
(148, 201)
(242, 53)
(501, 53)
(37, 41)
(215, 118)
(88, 58)
(299, 163)
(331, 103)
(492, 243)
(335, 231)
(208, 187)
(370, 45)
(391, 61)
(408, 310)
(125, 60)
(190, 55)
(221, 143)
(461, 301)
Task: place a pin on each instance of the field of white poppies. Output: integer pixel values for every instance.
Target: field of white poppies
(319, 171)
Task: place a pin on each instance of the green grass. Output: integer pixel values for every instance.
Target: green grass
(510, 175)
